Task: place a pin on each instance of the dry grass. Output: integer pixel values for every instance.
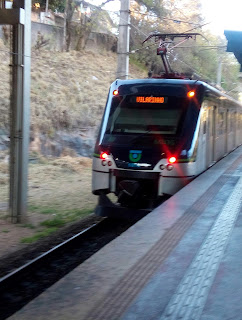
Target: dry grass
(61, 185)
(68, 90)
(56, 186)
(59, 192)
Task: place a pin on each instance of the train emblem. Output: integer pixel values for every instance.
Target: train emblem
(135, 155)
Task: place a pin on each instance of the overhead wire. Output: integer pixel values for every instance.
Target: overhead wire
(172, 55)
(141, 32)
(163, 18)
(132, 51)
(192, 68)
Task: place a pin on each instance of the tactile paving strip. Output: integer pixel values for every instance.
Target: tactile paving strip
(115, 303)
(189, 300)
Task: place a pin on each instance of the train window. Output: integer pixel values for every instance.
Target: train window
(204, 127)
(228, 122)
(221, 123)
(159, 118)
(232, 122)
(204, 118)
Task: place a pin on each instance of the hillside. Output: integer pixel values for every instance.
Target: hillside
(68, 95)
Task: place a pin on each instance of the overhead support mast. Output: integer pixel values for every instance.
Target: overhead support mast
(20, 18)
(123, 41)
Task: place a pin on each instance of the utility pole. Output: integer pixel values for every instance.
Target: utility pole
(47, 6)
(20, 19)
(123, 41)
(2, 4)
(219, 72)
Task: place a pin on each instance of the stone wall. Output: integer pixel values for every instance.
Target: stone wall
(52, 38)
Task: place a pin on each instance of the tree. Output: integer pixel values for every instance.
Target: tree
(83, 29)
(198, 58)
(54, 5)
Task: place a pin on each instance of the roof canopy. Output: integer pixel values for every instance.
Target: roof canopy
(235, 44)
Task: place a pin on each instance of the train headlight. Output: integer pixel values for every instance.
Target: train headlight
(162, 166)
(104, 163)
(172, 160)
(110, 163)
(191, 94)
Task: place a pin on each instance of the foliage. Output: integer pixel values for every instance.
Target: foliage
(197, 59)
(153, 6)
(54, 5)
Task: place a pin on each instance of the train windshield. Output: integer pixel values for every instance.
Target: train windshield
(151, 115)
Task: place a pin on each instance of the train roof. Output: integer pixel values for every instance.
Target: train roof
(209, 89)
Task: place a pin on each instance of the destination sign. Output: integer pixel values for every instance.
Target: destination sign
(150, 99)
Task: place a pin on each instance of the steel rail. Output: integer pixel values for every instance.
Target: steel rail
(25, 283)
(43, 255)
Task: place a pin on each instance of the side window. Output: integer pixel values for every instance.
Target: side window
(232, 120)
(204, 127)
(204, 118)
(220, 123)
(214, 121)
(229, 121)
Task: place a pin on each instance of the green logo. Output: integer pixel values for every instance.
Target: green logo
(135, 155)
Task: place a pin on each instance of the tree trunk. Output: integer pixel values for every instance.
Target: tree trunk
(69, 10)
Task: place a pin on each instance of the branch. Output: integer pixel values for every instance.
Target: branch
(105, 2)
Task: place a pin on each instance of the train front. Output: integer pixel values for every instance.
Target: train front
(146, 142)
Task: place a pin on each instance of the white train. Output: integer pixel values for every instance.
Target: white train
(156, 136)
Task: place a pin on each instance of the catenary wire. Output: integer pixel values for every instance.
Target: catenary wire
(133, 51)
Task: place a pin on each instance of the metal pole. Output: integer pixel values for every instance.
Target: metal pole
(123, 41)
(219, 72)
(47, 6)
(2, 4)
(19, 115)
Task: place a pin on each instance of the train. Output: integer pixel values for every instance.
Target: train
(156, 136)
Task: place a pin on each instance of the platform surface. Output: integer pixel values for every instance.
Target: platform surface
(182, 261)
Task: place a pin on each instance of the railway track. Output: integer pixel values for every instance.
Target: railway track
(28, 281)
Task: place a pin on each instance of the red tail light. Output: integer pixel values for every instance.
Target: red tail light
(172, 160)
(103, 155)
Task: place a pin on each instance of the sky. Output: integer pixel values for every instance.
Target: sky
(222, 14)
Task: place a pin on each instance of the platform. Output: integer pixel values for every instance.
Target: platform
(182, 261)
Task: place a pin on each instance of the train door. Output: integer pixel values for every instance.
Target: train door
(214, 134)
(226, 114)
(229, 131)
(220, 134)
(204, 136)
(209, 139)
(235, 130)
(223, 148)
(239, 128)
